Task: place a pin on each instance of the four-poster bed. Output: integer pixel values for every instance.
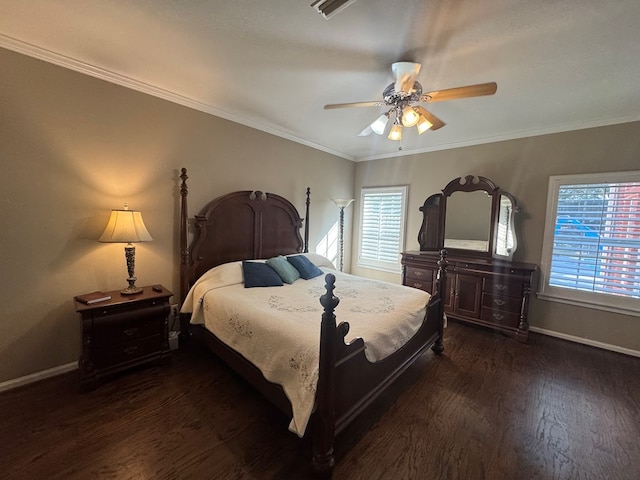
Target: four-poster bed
(251, 225)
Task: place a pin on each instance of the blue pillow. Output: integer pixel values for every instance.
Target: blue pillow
(258, 274)
(306, 267)
(287, 272)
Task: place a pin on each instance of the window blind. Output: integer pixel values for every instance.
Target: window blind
(596, 246)
(382, 227)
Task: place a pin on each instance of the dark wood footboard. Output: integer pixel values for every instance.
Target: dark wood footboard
(348, 382)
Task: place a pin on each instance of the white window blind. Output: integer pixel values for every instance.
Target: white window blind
(595, 247)
(382, 224)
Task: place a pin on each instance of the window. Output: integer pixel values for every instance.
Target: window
(591, 250)
(382, 223)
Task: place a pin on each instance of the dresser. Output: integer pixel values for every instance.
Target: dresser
(482, 291)
(123, 332)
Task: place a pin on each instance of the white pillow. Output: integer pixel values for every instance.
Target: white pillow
(319, 260)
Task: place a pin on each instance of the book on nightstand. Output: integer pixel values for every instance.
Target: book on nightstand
(93, 297)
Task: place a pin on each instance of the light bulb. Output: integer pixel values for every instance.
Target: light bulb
(409, 116)
(396, 132)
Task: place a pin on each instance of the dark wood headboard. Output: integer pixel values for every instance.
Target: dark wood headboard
(241, 225)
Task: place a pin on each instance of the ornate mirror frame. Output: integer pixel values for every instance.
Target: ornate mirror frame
(501, 242)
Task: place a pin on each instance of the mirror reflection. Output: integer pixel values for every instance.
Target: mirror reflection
(468, 221)
(505, 238)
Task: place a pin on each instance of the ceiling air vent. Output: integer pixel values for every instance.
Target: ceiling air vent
(328, 8)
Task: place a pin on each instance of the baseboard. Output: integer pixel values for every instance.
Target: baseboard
(586, 341)
(34, 377)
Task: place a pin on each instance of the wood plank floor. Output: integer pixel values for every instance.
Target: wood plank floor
(488, 408)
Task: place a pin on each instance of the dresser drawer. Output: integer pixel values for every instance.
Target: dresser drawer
(500, 317)
(419, 278)
(124, 352)
(503, 286)
(501, 302)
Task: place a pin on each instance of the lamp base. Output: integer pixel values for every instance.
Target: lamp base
(131, 290)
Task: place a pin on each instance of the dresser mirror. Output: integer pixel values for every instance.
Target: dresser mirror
(472, 216)
(468, 221)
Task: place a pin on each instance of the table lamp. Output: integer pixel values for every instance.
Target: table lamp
(127, 226)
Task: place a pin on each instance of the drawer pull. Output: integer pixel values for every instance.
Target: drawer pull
(130, 350)
(498, 316)
(130, 331)
(500, 286)
(417, 273)
(417, 285)
(499, 302)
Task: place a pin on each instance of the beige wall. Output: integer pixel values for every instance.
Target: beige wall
(522, 167)
(72, 148)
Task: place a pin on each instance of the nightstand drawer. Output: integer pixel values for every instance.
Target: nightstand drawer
(113, 334)
(129, 311)
(123, 352)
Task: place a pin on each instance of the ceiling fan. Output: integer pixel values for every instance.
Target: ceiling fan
(403, 94)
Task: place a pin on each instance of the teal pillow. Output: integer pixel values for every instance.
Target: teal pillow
(306, 267)
(258, 274)
(281, 265)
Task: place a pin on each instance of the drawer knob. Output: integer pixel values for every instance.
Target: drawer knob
(130, 331)
(130, 350)
(500, 286)
(417, 285)
(499, 302)
(498, 316)
(417, 273)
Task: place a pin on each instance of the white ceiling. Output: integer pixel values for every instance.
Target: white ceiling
(272, 65)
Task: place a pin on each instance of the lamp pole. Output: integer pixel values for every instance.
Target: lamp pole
(342, 203)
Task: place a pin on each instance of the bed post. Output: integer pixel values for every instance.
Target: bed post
(438, 346)
(184, 252)
(324, 422)
(306, 223)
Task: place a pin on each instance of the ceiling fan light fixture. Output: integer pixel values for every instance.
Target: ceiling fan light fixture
(423, 124)
(409, 116)
(396, 132)
(380, 123)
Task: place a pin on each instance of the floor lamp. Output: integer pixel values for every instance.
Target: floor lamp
(342, 203)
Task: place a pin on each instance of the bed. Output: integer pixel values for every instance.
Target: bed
(344, 372)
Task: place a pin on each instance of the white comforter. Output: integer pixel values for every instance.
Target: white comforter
(278, 328)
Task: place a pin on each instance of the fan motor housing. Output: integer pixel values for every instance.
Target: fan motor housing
(391, 97)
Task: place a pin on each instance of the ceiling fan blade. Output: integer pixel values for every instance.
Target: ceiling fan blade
(435, 121)
(460, 92)
(405, 74)
(375, 103)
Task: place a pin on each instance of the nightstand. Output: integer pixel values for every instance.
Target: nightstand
(123, 332)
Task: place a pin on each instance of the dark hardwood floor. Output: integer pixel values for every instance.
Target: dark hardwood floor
(488, 408)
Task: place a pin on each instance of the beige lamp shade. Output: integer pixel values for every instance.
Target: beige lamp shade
(125, 226)
(342, 202)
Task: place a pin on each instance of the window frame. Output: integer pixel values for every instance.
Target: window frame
(381, 265)
(595, 300)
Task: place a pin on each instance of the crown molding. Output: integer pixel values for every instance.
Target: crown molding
(64, 61)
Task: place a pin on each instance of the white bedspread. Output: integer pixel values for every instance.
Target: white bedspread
(278, 328)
